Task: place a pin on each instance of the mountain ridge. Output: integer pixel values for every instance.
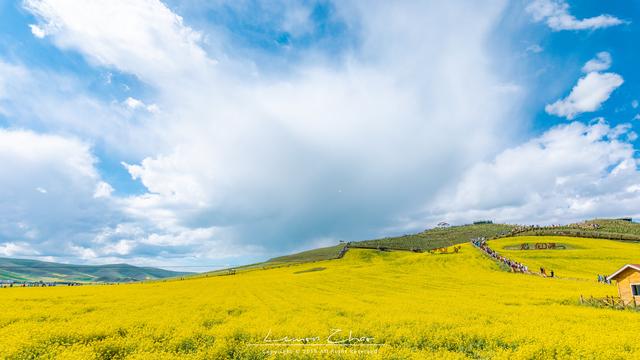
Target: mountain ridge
(30, 270)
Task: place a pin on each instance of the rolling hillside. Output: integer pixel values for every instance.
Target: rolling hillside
(426, 240)
(326, 253)
(453, 235)
(34, 270)
(410, 306)
(439, 237)
(596, 228)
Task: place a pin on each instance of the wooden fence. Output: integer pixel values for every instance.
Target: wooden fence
(608, 301)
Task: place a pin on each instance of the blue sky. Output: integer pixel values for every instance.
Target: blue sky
(211, 133)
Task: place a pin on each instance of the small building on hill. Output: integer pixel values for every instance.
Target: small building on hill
(628, 280)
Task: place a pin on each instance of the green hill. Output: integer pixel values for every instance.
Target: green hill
(614, 229)
(326, 253)
(452, 235)
(438, 237)
(34, 270)
(426, 240)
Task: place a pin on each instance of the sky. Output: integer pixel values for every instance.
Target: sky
(200, 134)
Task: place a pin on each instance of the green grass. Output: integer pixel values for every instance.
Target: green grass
(438, 237)
(617, 226)
(608, 229)
(326, 253)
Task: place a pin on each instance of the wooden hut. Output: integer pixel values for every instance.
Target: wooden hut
(628, 280)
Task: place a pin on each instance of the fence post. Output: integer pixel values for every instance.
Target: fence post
(581, 299)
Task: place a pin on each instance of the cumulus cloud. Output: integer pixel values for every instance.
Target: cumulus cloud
(62, 207)
(336, 146)
(135, 36)
(58, 207)
(17, 249)
(555, 13)
(601, 62)
(244, 160)
(590, 92)
(571, 172)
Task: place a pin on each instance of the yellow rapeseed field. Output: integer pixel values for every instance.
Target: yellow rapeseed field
(448, 306)
(582, 258)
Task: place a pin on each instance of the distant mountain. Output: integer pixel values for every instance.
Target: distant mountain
(34, 270)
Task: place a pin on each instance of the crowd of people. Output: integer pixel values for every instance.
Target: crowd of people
(481, 243)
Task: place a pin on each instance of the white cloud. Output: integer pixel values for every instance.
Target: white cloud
(83, 253)
(187, 237)
(32, 98)
(37, 31)
(142, 37)
(153, 108)
(122, 247)
(569, 173)
(634, 104)
(133, 103)
(555, 13)
(16, 249)
(79, 219)
(591, 91)
(103, 190)
(587, 95)
(244, 160)
(262, 155)
(58, 167)
(601, 62)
